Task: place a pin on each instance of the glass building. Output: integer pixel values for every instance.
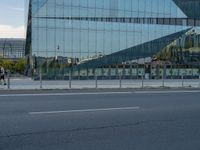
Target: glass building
(12, 48)
(89, 34)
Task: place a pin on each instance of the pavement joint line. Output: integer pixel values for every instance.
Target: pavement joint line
(64, 94)
(84, 110)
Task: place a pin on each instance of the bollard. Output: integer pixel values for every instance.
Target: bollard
(96, 82)
(8, 84)
(70, 80)
(40, 79)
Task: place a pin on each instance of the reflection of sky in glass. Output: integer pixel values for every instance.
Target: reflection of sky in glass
(110, 8)
(87, 38)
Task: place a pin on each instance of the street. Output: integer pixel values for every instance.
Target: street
(100, 120)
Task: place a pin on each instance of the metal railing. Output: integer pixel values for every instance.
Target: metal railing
(98, 83)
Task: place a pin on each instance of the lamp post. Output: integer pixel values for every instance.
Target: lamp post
(57, 52)
(56, 58)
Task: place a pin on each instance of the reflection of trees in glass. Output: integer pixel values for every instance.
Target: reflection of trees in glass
(188, 44)
(187, 52)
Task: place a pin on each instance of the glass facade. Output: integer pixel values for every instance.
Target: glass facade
(12, 48)
(93, 33)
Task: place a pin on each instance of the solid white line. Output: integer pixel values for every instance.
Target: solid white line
(163, 92)
(63, 94)
(83, 110)
(98, 93)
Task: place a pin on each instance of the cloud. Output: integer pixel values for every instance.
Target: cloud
(7, 31)
(17, 9)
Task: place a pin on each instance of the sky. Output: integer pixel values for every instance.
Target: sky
(12, 19)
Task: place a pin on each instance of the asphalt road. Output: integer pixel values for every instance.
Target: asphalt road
(101, 120)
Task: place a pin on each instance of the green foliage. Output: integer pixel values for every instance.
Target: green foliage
(8, 64)
(20, 65)
(14, 67)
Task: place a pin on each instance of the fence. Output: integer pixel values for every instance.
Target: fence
(98, 82)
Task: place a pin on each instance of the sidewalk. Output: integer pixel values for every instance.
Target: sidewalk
(27, 83)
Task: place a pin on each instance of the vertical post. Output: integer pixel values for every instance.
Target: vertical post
(8, 80)
(143, 75)
(96, 81)
(137, 71)
(182, 80)
(131, 71)
(40, 78)
(163, 76)
(87, 73)
(163, 81)
(109, 72)
(199, 80)
(143, 80)
(70, 79)
(120, 81)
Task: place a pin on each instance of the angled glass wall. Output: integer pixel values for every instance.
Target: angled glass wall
(77, 32)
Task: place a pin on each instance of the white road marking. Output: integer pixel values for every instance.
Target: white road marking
(63, 94)
(165, 92)
(98, 93)
(83, 110)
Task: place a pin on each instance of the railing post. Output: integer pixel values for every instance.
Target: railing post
(70, 79)
(96, 82)
(163, 80)
(120, 81)
(199, 80)
(40, 79)
(163, 76)
(8, 84)
(143, 80)
(182, 80)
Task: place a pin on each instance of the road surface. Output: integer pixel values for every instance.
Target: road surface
(100, 120)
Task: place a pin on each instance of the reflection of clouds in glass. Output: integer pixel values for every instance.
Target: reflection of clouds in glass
(7, 31)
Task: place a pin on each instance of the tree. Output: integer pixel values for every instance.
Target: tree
(20, 65)
(8, 65)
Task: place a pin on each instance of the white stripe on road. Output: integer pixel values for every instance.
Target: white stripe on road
(168, 92)
(98, 93)
(83, 110)
(63, 94)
